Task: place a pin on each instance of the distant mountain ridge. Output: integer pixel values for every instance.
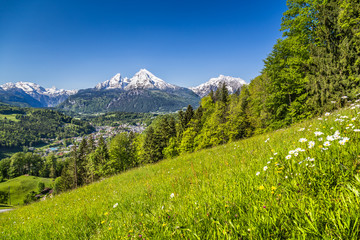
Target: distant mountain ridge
(32, 94)
(144, 92)
(233, 84)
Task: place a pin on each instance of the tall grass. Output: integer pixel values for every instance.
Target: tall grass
(272, 186)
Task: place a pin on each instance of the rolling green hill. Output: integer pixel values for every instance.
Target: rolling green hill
(299, 182)
(21, 186)
(31, 126)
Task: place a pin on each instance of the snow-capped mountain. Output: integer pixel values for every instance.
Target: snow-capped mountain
(232, 84)
(43, 97)
(115, 82)
(141, 80)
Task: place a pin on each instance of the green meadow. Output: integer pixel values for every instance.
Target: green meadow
(21, 186)
(301, 182)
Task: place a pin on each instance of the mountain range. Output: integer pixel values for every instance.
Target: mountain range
(144, 92)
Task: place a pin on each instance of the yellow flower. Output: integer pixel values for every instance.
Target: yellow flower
(320, 146)
(261, 187)
(279, 195)
(226, 205)
(272, 192)
(273, 188)
(102, 222)
(324, 127)
(106, 213)
(110, 228)
(164, 224)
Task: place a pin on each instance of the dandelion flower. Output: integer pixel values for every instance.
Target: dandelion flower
(261, 187)
(273, 188)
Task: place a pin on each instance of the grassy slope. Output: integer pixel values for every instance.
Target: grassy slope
(216, 194)
(21, 186)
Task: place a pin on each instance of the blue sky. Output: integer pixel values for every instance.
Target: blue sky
(76, 44)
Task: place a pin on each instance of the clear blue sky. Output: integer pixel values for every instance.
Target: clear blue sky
(76, 44)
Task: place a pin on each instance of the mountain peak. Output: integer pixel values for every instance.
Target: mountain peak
(232, 84)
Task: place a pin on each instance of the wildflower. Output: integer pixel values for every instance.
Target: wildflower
(102, 222)
(265, 168)
(106, 213)
(333, 101)
(327, 114)
(264, 206)
(295, 154)
(164, 224)
(275, 154)
(268, 162)
(172, 195)
(261, 187)
(342, 142)
(271, 158)
(344, 97)
(115, 205)
(302, 140)
(327, 143)
(257, 174)
(318, 133)
(291, 152)
(311, 144)
(286, 177)
(110, 228)
(356, 130)
(346, 139)
(330, 138)
(273, 188)
(288, 157)
(301, 129)
(320, 139)
(267, 140)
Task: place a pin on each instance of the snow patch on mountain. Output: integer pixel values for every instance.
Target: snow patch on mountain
(49, 97)
(232, 84)
(141, 80)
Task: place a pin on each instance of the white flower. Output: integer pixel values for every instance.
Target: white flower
(301, 129)
(286, 177)
(330, 138)
(267, 140)
(288, 157)
(265, 168)
(342, 142)
(115, 205)
(311, 144)
(344, 97)
(318, 133)
(327, 143)
(319, 118)
(295, 154)
(327, 114)
(172, 195)
(302, 140)
(271, 158)
(346, 139)
(320, 139)
(356, 130)
(275, 154)
(257, 174)
(291, 152)
(333, 101)
(268, 162)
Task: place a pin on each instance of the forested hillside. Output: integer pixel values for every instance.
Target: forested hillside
(28, 126)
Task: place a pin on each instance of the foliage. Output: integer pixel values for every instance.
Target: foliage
(218, 193)
(33, 126)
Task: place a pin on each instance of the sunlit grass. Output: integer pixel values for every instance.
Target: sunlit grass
(273, 186)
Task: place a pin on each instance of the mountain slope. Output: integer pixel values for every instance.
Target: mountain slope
(232, 84)
(248, 189)
(135, 100)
